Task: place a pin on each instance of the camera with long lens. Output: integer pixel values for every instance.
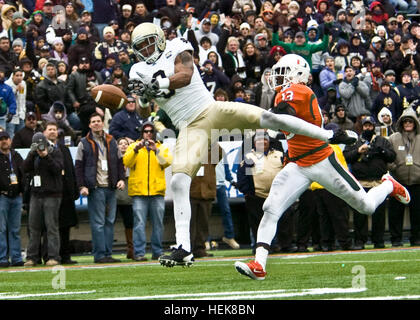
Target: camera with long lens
(39, 142)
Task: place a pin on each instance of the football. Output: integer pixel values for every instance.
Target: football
(109, 96)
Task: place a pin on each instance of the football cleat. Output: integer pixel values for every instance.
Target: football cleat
(178, 257)
(400, 193)
(343, 137)
(252, 269)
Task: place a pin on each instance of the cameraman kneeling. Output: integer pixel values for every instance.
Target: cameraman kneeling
(44, 164)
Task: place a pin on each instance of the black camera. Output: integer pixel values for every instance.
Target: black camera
(39, 142)
(35, 76)
(41, 147)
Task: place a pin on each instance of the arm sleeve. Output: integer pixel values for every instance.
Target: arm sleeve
(346, 90)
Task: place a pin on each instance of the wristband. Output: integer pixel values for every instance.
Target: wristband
(164, 83)
(143, 103)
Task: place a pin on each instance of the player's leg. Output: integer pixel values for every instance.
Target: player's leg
(191, 147)
(286, 188)
(180, 186)
(296, 125)
(342, 184)
(234, 115)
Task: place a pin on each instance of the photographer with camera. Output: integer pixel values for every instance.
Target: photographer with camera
(147, 159)
(44, 164)
(368, 159)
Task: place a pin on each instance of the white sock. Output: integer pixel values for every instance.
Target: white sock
(261, 255)
(295, 125)
(378, 194)
(180, 185)
(265, 234)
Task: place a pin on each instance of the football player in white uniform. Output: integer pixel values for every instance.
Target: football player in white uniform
(167, 74)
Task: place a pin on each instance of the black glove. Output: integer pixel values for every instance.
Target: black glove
(327, 29)
(234, 184)
(284, 108)
(34, 147)
(9, 117)
(154, 88)
(355, 82)
(337, 81)
(379, 150)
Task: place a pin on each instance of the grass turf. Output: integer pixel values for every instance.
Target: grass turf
(290, 276)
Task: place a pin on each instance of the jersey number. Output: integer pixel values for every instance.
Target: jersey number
(165, 93)
(287, 96)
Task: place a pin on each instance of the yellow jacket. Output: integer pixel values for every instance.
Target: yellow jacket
(147, 170)
(341, 159)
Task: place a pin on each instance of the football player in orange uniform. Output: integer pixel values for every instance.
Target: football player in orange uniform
(310, 160)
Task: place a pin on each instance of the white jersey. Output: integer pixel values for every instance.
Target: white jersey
(181, 105)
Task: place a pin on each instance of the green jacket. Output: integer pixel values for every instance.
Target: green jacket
(305, 51)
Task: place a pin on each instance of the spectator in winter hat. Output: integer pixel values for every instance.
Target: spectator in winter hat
(389, 98)
(275, 54)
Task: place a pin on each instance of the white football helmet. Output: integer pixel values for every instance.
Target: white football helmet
(291, 68)
(145, 38)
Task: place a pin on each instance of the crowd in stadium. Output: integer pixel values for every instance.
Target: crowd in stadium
(364, 72)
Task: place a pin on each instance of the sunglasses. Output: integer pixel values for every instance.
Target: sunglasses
(408, 120)
(148, 131)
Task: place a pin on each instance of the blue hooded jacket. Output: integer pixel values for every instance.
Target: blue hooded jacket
(8, 100)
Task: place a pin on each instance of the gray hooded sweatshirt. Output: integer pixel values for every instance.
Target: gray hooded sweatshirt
(406, 144)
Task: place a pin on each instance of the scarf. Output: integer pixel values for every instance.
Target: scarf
(239, 64)
(375, 84)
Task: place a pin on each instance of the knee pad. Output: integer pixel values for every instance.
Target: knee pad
(180, 184)
(271, 211)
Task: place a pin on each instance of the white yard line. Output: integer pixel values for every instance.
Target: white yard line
(16, 295)
(205, 262)
(236, 295)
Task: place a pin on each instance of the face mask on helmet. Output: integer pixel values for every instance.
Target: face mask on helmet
(146, 48)
(148, 42)
(290, 69)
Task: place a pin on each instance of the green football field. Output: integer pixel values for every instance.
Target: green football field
(369, 274)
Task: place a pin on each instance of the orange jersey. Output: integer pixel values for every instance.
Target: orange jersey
(306, 150)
